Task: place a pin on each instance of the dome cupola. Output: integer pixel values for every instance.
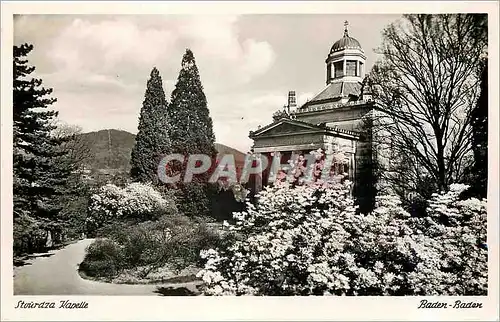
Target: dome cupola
(345, 42)
(346, 60)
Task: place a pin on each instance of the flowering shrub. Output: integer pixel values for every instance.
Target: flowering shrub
(309, 240)
(456, 231)
(136, 201)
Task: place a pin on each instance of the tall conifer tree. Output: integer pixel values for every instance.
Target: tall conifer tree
(191, 124)
(39, 176)
(152, 140)
(191, 132)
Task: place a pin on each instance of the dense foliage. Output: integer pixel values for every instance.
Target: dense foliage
(191, 124)
(103, 258)
(365, 188)
(40, 170)
(230, 198)
(173, 240)
(309, 240)
(152, 140)
(477, 175)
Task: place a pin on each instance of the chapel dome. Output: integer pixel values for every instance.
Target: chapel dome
(345, 42)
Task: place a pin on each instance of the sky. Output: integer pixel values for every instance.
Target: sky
(98, 65)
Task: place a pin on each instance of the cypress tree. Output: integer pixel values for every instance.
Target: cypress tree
(191, 124)
(191, 132)
(152, 140)
(39, 176)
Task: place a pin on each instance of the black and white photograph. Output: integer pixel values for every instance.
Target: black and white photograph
(208, 154)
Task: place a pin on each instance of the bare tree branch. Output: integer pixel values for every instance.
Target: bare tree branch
(427, 84)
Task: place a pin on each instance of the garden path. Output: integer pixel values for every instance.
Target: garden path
(56, 273)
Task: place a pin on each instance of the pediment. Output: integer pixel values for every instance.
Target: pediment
(286, 126)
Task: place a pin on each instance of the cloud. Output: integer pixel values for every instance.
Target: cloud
(99, 65)
(103, 45)
(122, 45)
(84, 83)
(221, 54)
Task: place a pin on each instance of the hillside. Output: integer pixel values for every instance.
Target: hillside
(239, 157)
(111, 149)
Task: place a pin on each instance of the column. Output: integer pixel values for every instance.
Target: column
(352, 163)
(352, 167)
(255, 180)
(328, 73)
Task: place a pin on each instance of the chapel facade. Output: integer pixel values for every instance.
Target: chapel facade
(336, 117)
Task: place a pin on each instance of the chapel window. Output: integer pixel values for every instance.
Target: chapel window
(351, 69)
(338, 69)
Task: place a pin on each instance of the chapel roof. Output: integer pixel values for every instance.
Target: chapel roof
(335, 91)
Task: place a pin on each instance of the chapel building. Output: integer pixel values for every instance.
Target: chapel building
(336, 117)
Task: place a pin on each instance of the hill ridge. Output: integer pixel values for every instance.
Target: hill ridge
(111, 149)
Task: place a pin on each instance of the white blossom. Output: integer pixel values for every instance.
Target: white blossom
(310, 239)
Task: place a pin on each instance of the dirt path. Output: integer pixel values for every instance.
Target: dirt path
(56, 273)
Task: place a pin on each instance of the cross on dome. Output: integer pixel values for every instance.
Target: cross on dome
(346, 32)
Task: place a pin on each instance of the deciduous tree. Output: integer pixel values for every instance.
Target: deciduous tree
(428, 82)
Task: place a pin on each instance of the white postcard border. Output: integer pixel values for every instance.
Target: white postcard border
(244, 308)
